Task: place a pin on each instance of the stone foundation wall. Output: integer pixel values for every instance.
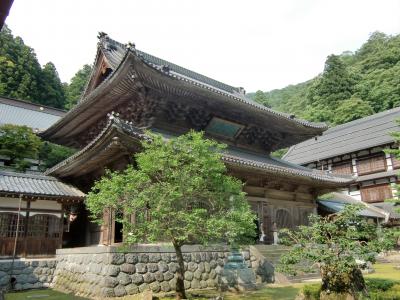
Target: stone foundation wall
(109, 272)
(28, 274)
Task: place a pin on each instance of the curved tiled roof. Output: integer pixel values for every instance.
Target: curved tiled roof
(232, 156)
(35, 116)
(36, 184)
(115, 52)
(354, 136)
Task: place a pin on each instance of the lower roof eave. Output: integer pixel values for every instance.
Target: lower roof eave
(326, 184)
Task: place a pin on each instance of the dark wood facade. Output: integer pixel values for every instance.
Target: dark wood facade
(39, 234)
(130, 91)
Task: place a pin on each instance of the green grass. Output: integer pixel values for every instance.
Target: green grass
(45, 294)
(385, 271)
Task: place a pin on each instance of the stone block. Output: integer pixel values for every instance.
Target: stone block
(172, 283)
(195, 284)
(42, 263)
(162, 266)
(165, 287)
(27, 286)
(192, 266)
(203, 284)
(201, 267)
(166, 257)
(107, 292)
(213, 264)
(110, 270)
(28, 270)
(131, 258)
(155, 286)
(168, 276)
(116, 258)
(109, 282)
(154, 257)
(197, 274)
(119, 291)
(187, 257)
(220, 262)
(95, 268)
(207, 267)
(148, 277)
(196, 257)
(159, 276)
(124, 278)
(188, 276)
(187, 284)
(143, 258)
(137, 279)
(143, 287)
(152, 267)
(127, 268)
(211, 283)
(204, 276)
(5, 279)
(131, 289)
(52, 263)
(173, 267)
(141, 268)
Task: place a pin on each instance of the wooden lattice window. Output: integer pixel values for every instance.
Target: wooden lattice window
(371, 165)
(8, 224)
(376, 193)
(343, 169)
(44, 226)
(283, 219)
(395, 163)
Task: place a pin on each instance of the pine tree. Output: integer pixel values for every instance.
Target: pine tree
(52, 88)
(21, 75)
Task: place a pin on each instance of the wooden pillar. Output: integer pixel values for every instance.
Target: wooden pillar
(25, 236)
(61, 230)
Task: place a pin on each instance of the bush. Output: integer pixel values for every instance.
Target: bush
(378, 289)
(379, 284)
(311, 291)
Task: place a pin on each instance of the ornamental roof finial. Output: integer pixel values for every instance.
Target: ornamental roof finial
(130, 46)
(101, 35)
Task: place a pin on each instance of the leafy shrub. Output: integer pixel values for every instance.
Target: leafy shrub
(379, 284)
(311, 291)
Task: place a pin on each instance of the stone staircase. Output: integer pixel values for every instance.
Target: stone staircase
(272, 254)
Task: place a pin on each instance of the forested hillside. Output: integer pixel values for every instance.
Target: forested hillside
(352, 85)
(22, 77)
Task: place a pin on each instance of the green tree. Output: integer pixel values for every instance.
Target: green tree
(51, 154)
(352, 109)
(179, 193)
(21, 75)
(333, 86)
(52, 89)
(262, 98)
(333, 244)
(18, 143)
(77, 85)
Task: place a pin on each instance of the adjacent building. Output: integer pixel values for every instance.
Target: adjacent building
(130, 91)
(356, 148)
(35, 210)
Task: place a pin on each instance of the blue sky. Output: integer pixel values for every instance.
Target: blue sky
(255, 44)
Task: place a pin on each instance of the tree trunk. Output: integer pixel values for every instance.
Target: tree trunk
(180, 284)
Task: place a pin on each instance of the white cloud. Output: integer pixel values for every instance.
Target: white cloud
(254, 44)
